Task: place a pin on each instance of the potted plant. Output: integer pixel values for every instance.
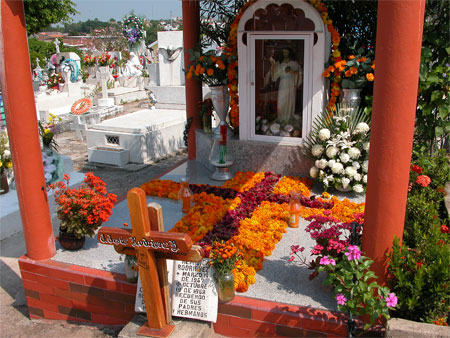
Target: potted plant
(223, 257)
(5, 162)
(81, 210)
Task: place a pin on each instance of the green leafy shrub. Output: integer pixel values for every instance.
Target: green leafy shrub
(418, 268)
(420, 277)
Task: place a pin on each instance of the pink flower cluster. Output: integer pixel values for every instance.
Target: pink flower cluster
(353, 253)
(327, 261)
(341, 299)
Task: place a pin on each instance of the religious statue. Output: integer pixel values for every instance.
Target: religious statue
(56, 43)
(290, 74)
(133, 66)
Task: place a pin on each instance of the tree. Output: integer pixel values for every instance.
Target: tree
(217, 17)
(433, 113)
(39, 14)
(356, 22)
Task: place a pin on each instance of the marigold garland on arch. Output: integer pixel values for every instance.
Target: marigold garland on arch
(231, 50)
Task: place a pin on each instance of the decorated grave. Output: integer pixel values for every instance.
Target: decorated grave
(94, 275)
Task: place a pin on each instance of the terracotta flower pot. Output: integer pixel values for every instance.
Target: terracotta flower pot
(70, 241)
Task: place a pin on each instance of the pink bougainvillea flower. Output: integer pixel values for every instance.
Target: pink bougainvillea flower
(341, 300)
(291, 258)
(391, 300)
(296, 248)
(416, 169)
(423, 180)
(353, 253)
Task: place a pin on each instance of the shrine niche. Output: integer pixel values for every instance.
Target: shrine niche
(282, 51)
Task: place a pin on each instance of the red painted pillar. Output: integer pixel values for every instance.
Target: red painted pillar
(397, 55)
(21, 120)
(191, 35)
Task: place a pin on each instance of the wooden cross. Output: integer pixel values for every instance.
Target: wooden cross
(152, 247)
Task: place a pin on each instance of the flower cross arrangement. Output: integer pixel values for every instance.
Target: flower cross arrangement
(355, 288)
(209, 67)
(355, 71)
(82, 210)
(339, 144)
(5, 153)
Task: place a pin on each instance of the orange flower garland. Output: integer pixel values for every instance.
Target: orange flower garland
(257, 235)
(208, 209)
(243, 181)
(288, 184)
(161, 188)
(344, 210)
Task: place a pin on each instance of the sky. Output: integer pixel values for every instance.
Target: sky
(117, 9)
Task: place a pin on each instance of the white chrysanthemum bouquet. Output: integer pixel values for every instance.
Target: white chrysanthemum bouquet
(339, 145)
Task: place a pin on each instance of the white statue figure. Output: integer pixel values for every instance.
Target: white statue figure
(290, 74)
(133, 66)
(56, 43)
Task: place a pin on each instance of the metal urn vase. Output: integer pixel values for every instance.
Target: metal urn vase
(221, 102)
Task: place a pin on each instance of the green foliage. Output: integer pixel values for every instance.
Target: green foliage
(355, 287)
(420, 277)
(419, 268)
(433, 105)
(425, 205)
(40, 49)
(355, 20)
(152, 31)
(86, 27)
(216, 19)
(39, 14)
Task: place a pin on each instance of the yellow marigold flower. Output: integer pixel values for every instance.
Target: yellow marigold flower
(336, 53)
(9, 165)
(47, 131)
(326, 195)
(1, 163)
(370, 77)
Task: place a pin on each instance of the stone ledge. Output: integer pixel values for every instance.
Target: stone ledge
(400, 328)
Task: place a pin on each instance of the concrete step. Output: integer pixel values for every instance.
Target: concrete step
(185, 328)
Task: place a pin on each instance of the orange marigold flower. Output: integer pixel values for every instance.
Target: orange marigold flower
(351, 57)
(348, 73)
(210, 72)
(370, 77)
(353, 70)
(362, 59)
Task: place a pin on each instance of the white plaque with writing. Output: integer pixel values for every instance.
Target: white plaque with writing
(194, 291)
(139, 305)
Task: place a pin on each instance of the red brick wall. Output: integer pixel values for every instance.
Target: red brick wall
(56, 290)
